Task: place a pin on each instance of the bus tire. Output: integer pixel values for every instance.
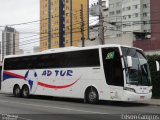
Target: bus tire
(92, 96)
(25, 91)
(16, 91)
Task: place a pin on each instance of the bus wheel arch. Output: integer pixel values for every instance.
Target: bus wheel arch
(91, 95)
(25, 91)
(16, 90)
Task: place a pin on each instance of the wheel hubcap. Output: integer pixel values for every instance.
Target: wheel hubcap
(25, 92)
(92, 96)
(17, 91)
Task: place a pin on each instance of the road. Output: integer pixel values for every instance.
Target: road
(47, 108)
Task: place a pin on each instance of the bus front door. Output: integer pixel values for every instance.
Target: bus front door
(113, 71)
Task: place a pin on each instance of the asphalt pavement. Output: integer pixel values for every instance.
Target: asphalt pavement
(47, 108)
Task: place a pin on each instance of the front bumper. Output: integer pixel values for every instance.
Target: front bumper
(131, 96)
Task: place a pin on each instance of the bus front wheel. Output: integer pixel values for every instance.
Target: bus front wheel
(16, 91)
(92, 96)
(25, 91)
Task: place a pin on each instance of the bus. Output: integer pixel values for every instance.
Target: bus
(104, 72)
(0, 74)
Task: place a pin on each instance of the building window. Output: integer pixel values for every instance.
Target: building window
(67, 14)
(129, 16)
(124, 17)
(135, 6)
(145, 14)
(129, 8)
(135, 15)
(67, 42)
(111, 5)
(67, 7)
(145, 5)
(118, 35)
(111, 13)
(118, 4)
(118, 11)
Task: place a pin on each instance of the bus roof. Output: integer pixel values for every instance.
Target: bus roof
(67, 49)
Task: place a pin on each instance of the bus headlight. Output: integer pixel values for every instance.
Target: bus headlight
(130, 89)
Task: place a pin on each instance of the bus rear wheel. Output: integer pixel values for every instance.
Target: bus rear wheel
(25, 91)
(16, 91)
(92, 96)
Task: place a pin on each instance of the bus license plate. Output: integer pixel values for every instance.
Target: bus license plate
(142, 97)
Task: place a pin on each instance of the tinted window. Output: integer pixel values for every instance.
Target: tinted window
(83, 58)
(112, 66)
(0, 76)
(139, 73)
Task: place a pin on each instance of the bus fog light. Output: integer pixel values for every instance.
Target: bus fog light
(130, 89)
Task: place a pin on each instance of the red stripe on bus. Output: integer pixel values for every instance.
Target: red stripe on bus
(57, 87)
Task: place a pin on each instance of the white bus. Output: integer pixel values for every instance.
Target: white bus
(107, 72)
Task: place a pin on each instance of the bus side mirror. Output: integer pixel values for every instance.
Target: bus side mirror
(129, 61)
(157, 66)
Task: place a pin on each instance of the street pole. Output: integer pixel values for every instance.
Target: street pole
(49, 25)
(82, 26)
(101, 27)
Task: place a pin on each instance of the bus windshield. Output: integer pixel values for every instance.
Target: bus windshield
(139, 73)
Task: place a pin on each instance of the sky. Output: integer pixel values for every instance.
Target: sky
(21, 11)
(16, 11)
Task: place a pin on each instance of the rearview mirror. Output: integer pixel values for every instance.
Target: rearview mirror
(157, 66)
(129, 61)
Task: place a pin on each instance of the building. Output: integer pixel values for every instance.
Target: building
(65, 22)
(112, 25)
(10, 42)
(115, 18)
(152, 45)
(136, 15)
(129, 16)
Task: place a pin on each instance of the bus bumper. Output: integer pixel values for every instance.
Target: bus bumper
(131, 96)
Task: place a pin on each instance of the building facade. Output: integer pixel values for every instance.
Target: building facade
(152, 45)
(129, 16)
(65, 22)
(115, 18)
(10, 42)
(136, 15)
(125, 21)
